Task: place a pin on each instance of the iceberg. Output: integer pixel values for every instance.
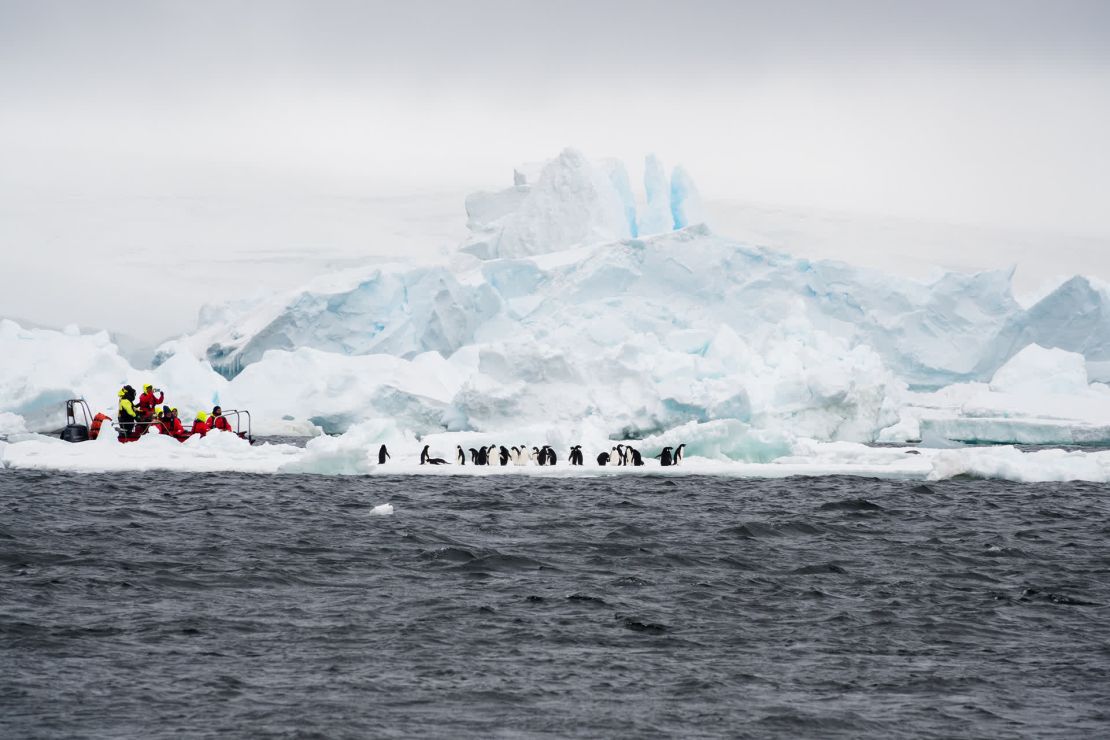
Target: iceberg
(1040, 396)
(574, 314)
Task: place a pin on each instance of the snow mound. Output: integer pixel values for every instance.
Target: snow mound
(1036, 370)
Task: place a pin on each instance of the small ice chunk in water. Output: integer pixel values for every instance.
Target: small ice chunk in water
(382, 510)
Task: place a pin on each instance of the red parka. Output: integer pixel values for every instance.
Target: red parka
(147, 402)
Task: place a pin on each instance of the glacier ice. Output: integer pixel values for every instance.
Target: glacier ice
(564, 319)
(657, 216)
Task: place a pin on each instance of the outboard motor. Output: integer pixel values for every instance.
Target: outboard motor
(75, 432)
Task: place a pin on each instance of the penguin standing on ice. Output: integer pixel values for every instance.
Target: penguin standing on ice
(618, 454)
(665, 458)
(536, 457)
(637, 460)
(491, 454)
(603, 459)
(426, 459)
(550, 455)
(678, 454)
(473, 455)
(460, 456)
(482, 457)
(504, 455)
(383, 455)
(576, 455)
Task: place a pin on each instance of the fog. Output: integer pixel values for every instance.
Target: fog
(149, 132)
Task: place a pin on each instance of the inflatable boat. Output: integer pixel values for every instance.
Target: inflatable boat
(82, 425)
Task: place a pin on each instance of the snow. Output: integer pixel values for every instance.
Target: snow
(351, 454)
(554, 322)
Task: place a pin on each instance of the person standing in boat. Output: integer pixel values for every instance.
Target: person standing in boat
(126, 414)
(148, 400)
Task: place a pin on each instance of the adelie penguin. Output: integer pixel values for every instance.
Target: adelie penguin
(383, 455)
(460, 456)
(576, 455)
(473, 455)
(603, 459)
(678, 454)
(550, 455)
(637, 460)
(504, 455)
(665, 458)
(426, 459)
(482, 457)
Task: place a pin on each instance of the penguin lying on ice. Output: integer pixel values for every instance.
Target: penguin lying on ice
(426, 459)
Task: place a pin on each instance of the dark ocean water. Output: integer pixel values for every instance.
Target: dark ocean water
(254, 606)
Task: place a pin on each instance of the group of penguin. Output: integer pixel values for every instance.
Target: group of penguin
(499, 454)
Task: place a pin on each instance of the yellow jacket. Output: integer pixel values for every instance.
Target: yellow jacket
(126, 409)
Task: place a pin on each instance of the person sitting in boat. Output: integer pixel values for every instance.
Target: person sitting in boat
(164, 420)
(200, 425)
(176, 427)
(218, 421)
(126, 414)
(148, 400)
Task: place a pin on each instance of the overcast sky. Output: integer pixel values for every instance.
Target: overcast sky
(992, 112)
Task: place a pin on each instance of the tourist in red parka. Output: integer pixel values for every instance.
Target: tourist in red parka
(148, 400)
(217, 420)
(176, 428)
(200, 426)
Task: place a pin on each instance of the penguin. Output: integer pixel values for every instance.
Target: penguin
(425, 458)
(619, 454)
(491, 454)
(678, 454)
(603, 459)
(636, 459)
(460, 456)
(519, 458)
(550, 455)
(504, 455)
(383, 455)
(482, 457)
(536, 457)
(665, 458)
(576, 455)
(473, 456)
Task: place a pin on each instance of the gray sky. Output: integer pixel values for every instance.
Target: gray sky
(987, 112)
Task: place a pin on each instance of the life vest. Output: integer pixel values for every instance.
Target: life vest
(97, 422)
